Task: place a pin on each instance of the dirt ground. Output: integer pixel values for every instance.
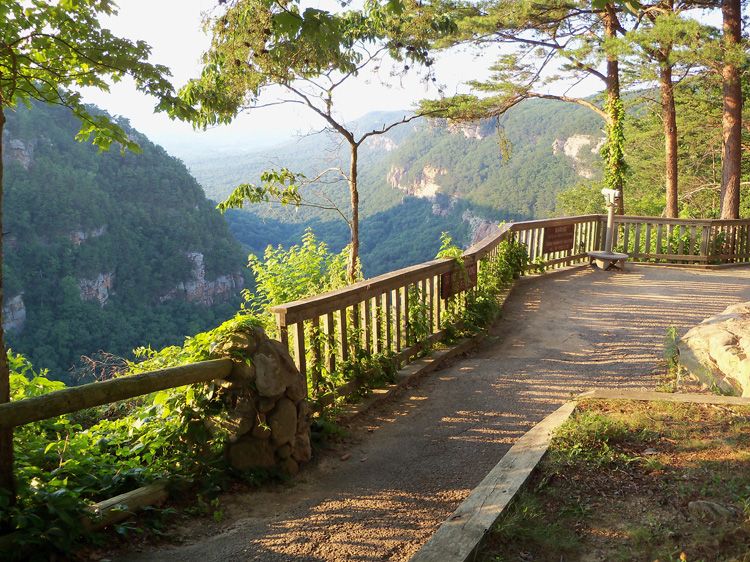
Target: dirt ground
(407, 464)
(629, 481)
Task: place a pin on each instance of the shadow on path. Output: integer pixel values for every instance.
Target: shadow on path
(415, 458)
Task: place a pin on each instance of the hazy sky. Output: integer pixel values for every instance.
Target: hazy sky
(173, 29)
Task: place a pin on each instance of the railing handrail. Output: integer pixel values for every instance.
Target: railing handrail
(664, 220)
(307, 308)
(76, 398)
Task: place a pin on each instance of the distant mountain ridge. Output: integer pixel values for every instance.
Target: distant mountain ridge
(458, 174)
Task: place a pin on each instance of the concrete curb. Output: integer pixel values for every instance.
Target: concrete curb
(459, 537)
(650, 396)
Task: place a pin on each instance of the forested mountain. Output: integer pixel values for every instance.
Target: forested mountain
(106, 251)
(420, 179)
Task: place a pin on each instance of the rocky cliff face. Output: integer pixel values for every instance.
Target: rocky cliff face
(480, 227)
(424, 186)
(14, 314)
(97, 289)
(21, 152)
(78, 237)
(576, 147)
(202, 291)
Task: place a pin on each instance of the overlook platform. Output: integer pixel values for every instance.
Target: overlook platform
(408, 463)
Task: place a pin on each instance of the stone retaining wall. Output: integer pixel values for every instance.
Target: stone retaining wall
(269, 417)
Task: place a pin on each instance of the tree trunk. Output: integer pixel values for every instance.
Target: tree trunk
(669, 120)
(6, 435)
(615, 161)
(731, 149)
(351, 269)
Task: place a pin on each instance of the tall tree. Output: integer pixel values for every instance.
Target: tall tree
(731, 161)
(47, 51)
(259, 45)
(552, 42)
(666, 44)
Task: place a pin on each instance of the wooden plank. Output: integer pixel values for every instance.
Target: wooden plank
(343, 343)
(407, 328)
(397, 320)
(659, 227)
(625, 237)
(647, 245)
(73, 399)
(693, 241)
(378, 318)
(637, 243)
(681, 242)
(125, 505)
(315, 353)
(389, 343)
(431, 301)
(705, 241)
(282, 330)
(366, 325)
(300, 353)
(331, 351)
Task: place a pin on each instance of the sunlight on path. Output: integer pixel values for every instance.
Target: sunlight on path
(413, 460)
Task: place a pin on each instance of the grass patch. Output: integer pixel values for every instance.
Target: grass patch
(621, 481)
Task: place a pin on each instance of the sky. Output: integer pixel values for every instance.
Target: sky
(173, 29)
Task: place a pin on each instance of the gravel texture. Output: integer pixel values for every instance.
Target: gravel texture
(407, 464)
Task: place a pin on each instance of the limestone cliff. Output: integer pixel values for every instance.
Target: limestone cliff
(202, 291)
(582, 150)
(425, 186)
(14, 314)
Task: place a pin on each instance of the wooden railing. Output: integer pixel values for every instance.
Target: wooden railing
(683, 241)
(377, 315)
(374, 315)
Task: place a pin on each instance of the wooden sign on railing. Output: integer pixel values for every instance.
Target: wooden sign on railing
(558, 238)
(457, 281)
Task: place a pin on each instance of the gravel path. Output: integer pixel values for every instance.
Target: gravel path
(414, 459)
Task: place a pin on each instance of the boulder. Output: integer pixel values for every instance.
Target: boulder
(251, 453)
(243, 372)
(296, 389)
(717, 351)
(268, 380)
(283, 422)
(284, 452)
(709, 511)
(289, 467)
(303, 417)
(302, 450)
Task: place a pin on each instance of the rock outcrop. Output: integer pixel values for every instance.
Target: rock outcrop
(97, 289)
(425, 186)
(574, 147)
(480, 227)
(717, 351)
(14, 314)
(21, 152)
(202, 291)
(78, 237)
(269, 420)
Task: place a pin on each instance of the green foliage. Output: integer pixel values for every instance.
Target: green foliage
(52, 49)
(472, 312)
(140, 216)
(285, 275)
(65, 464)
(613, 151)
(280, 186)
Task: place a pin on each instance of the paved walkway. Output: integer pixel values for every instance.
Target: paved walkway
(413, 460)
